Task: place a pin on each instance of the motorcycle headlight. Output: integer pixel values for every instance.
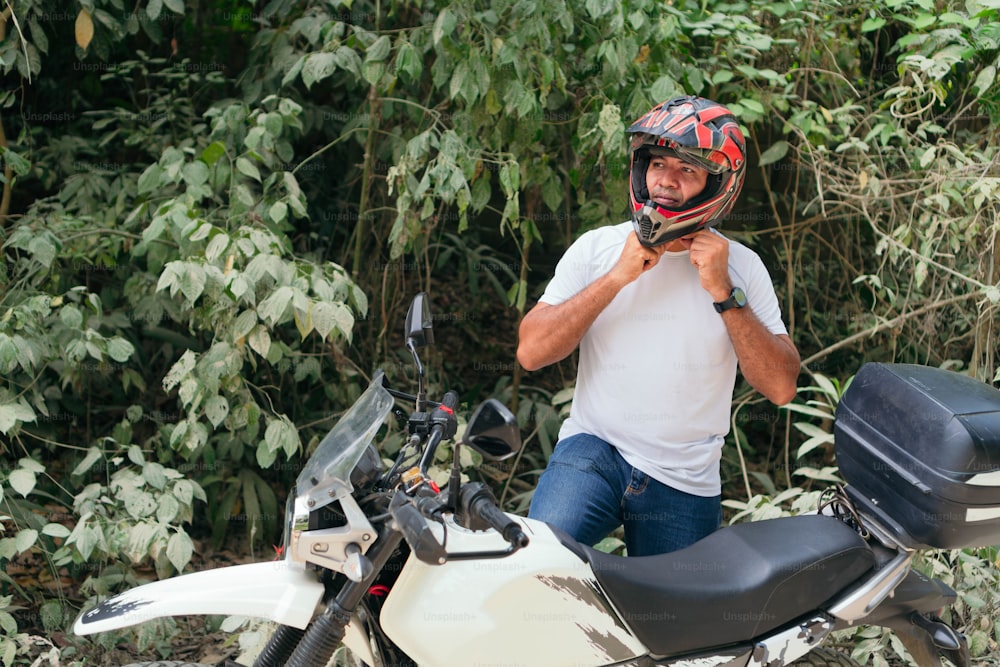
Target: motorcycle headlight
(368, 468)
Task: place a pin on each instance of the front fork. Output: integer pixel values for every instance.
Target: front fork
(315, 646)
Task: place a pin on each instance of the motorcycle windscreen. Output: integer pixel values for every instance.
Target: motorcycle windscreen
(327, 474)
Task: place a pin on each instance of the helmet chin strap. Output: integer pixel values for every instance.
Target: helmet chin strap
(646, 223)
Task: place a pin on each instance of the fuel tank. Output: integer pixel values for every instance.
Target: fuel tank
(539, 607)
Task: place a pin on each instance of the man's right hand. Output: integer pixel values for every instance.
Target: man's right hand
(635, 260)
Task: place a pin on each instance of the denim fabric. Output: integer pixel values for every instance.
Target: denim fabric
(588, 490)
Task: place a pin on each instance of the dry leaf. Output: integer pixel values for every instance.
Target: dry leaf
(84, 29)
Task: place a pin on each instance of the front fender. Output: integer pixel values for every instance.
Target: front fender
(280, 591)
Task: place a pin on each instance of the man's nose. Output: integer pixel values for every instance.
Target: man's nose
(666, 178)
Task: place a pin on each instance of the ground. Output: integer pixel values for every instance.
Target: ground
(196, 639)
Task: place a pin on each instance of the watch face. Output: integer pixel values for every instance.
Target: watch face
(737, 299)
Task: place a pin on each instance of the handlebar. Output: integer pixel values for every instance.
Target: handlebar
(410, 398)
(411, 522)
(444, 424)
(450, 401)
(477, 502)
(479, 506)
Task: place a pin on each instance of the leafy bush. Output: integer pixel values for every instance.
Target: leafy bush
(213, 218)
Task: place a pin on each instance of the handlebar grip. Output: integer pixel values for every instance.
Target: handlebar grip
(494, 516)
(479, 503)
(443, 417)
(416, 530)
(450, 400)
(444, 424)
(430, 507)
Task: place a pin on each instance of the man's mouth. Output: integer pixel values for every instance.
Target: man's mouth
(666, 200)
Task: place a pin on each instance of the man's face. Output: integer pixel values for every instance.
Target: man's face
(672, 182)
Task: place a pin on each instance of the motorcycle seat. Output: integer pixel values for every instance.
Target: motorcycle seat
(733, 585)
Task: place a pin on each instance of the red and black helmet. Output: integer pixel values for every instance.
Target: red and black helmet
(703, 133)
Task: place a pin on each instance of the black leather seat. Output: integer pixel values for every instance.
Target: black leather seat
(734, 585)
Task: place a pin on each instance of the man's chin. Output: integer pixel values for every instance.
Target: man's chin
(668, 203)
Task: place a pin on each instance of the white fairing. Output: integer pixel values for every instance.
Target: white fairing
(357, 640)
(279, 591)
(789, 645)
(540, 607)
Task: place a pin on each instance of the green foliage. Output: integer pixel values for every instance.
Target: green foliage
(200, 203)
(155, 317)
(972, 574)
(827, 392)
(135, 514)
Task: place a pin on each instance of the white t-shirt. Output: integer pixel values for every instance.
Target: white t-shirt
(657, 369)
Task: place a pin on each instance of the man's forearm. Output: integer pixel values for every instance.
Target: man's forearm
(550, 333)
(770, 363)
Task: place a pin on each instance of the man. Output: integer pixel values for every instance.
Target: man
(663, 308)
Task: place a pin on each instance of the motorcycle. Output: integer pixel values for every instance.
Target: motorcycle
(379, 559)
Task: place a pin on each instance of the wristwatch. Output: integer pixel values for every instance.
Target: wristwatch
(737, 299)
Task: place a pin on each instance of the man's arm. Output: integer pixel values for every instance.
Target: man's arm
(550, 333)
(769, 362)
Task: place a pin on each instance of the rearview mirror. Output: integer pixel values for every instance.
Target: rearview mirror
(493, 431)
(419, 325)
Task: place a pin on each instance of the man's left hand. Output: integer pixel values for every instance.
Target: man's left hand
(709, 253)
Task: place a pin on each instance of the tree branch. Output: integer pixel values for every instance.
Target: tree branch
(8, 176)
(888, 324)
(7, 12)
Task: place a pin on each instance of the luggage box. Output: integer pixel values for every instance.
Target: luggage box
(920, 450)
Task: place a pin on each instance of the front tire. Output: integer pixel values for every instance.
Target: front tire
(826, 657)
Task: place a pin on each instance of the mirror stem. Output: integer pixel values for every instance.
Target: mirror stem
(455, 481)
(421, 402)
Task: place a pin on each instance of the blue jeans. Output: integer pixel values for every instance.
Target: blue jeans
(588, 490)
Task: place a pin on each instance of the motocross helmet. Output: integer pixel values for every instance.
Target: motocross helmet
(703, 133)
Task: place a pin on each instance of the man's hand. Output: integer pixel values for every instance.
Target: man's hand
(635, 260)
(709, 253)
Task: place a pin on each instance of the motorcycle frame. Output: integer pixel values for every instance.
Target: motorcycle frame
(317, 610)
(289, 593)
